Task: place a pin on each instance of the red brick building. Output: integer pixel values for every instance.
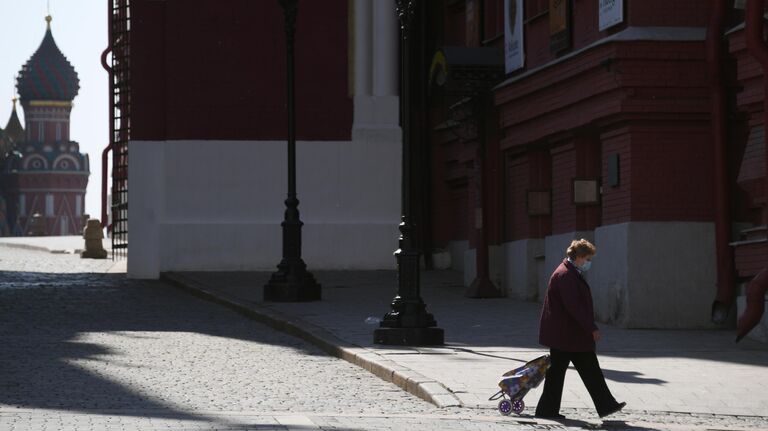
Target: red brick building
(208, 128)
(605, 132)
(536, 122)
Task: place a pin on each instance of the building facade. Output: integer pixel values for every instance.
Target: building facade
(604, 128)
(44, 176)
(207, 165)
(535, 122)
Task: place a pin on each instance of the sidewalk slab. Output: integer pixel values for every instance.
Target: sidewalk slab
(699, 372)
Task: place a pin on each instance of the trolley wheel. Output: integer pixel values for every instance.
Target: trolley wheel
(505, 407)
(518, 406)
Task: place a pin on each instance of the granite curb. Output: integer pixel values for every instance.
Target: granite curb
(29, 247)
(52, 250)
(411, 381)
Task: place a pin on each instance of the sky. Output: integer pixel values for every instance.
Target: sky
(80, 30)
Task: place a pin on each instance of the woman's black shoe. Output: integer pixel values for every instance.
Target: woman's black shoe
(615, 409)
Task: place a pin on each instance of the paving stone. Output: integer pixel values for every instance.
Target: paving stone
(84, 349)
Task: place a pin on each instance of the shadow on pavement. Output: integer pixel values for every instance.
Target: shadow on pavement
(631, 377)
(478, 324)
(610, 425)
(606, 425)
(46, 363)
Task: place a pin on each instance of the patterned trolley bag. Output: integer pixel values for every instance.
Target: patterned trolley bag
(516, 383)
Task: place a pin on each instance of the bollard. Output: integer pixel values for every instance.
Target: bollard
(93, 235)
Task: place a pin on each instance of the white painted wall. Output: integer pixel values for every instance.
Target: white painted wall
(521, 268)
(495, 265)
(655, 274)
(470, 266)
(457, 249)
(218, 205)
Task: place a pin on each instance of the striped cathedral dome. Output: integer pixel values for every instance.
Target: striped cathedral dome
(48, 75)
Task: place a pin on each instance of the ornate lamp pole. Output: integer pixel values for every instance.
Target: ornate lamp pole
(408, 323)
(292, 282)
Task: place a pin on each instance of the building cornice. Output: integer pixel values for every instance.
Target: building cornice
(49, 103)
(630, 34)
(82, 173)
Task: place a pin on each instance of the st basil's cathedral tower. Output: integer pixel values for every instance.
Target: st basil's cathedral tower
(45, 175)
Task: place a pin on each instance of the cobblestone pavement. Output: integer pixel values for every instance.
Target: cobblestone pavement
(81, 349)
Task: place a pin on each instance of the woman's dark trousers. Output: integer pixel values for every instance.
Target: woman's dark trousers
(589, 369)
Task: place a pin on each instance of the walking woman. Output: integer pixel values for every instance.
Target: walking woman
(568, 328)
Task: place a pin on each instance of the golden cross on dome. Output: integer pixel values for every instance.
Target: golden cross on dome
(48, 17)
(14, 99)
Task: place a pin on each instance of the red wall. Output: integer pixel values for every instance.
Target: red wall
(671, 166)
(680, 13)
(647, 101)
(216, 70)
(524, 172)
(749, 163)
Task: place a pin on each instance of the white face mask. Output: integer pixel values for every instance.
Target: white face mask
(586, 266)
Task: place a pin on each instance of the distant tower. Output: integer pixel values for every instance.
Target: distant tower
(45, 173)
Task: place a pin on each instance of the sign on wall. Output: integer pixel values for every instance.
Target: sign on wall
(514, 48)
(611, 13)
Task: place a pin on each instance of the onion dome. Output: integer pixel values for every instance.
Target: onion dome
(14, 130)
(48, 75)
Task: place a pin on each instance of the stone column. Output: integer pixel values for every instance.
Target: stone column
(376, 75)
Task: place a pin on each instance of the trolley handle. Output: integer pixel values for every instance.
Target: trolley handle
(496, 396)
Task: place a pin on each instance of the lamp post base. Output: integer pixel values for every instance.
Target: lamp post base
(409, 336)
(294, 288)
(483, 287)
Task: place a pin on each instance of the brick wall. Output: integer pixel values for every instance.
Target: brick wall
(216, 70)
(516, 219)
(530, 171)
(616, 200)
(563, 172)
(678, 13)
(671, 170)
(748, 149)
(450, 179)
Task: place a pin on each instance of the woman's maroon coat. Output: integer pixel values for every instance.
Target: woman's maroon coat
(567, 318)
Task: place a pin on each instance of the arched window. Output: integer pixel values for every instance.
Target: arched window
(35, 162)
(66, 162)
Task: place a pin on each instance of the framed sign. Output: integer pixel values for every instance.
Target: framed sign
(514, 48)
(611, 13)
(586, 191)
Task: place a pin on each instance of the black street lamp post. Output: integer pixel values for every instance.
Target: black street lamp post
(408, 322)
(291, 282)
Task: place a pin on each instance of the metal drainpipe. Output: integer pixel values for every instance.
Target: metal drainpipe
(105, 153)
(726, 286)
(759, 50)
